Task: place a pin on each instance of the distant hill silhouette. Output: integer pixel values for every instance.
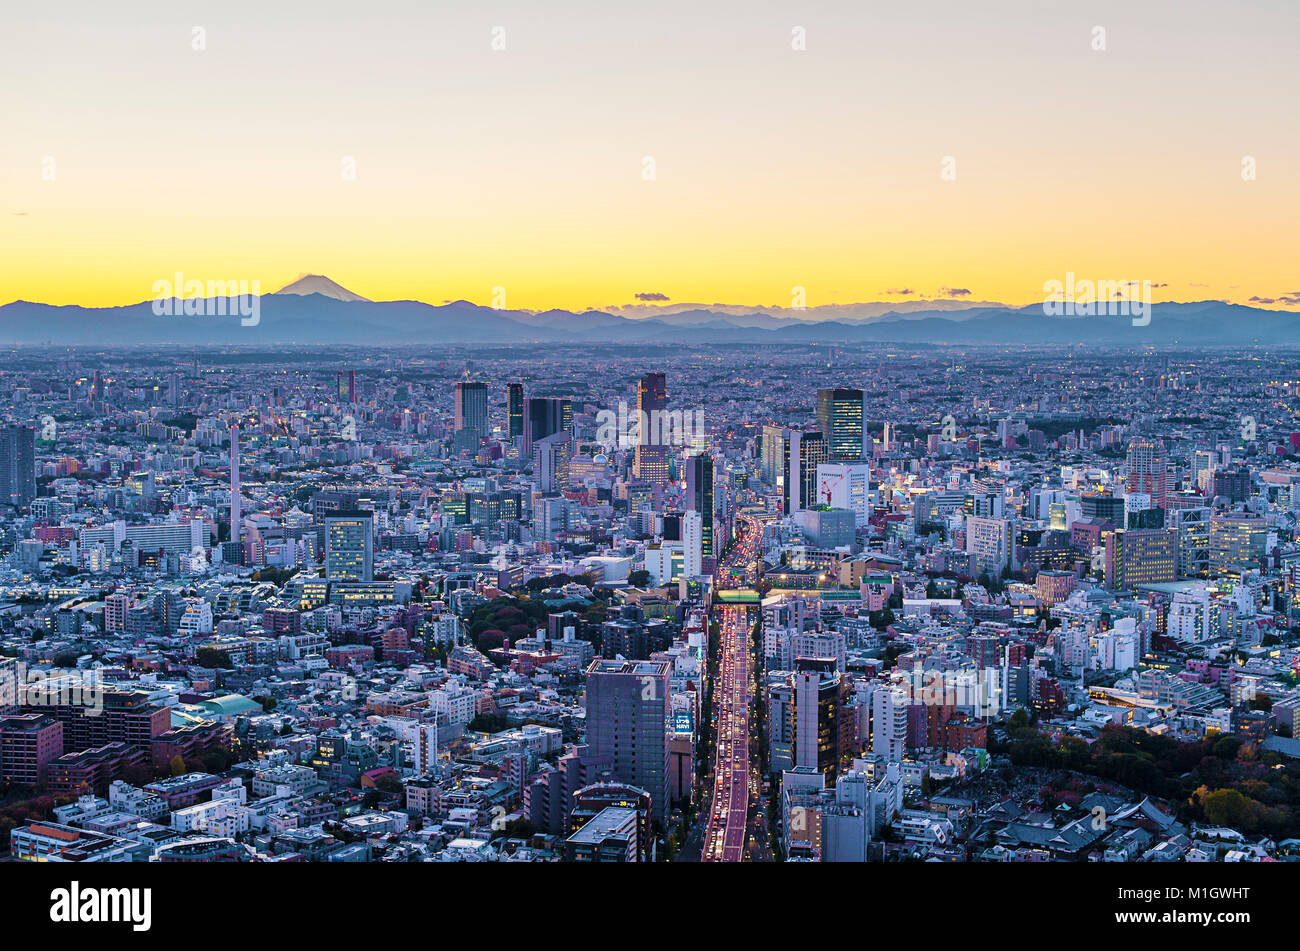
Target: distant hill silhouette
(290, 316)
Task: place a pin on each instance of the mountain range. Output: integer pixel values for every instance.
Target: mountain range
(316, 310)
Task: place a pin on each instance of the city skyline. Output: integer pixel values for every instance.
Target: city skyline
(445, 440)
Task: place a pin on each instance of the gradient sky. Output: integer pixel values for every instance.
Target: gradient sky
(522, 168)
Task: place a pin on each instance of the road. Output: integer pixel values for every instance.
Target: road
(735, 781)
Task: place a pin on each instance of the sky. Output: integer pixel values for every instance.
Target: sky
(684, 149)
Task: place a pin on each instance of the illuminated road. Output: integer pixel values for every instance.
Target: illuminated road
(734, 782)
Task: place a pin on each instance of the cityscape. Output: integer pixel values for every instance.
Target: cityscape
(398, 606)
(442, 437)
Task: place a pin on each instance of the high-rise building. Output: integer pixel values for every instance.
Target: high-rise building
(514, 410)
(236, 517)
(552, 462)
(1233, 483)
(1237, 540)
(1140, 556)
(17, 465)
(546, 417)
(889, 723)
(804, 452)
(841, 417)
(627, 706)
(28, 744)
(846, 485)
(773, 454)
(1147, 465)
(349, 545)
(699, 496)
(650, 461)
(348, 385)
(471, 414)
(988, 542)
(692, 544)
(822, 737)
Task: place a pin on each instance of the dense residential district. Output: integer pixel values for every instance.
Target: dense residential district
(637, 604)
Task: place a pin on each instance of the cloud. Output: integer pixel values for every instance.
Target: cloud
(1263, 300)
(652, 296)
(901, 290)
(955, 291)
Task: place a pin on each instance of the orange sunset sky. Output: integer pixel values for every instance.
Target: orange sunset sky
(128, 154)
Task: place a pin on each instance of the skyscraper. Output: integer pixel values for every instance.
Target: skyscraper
(546, 417)
(803, 453)
(1136, 556)
(692, 545)
(471, 414)
(349, 545)
(17, 464)
(235, 515)
(627, 707)
(650, 462)
(514, 410)
(773, 453)
(552, 462)
(1147, 470)
(841, 417)
(699, 496)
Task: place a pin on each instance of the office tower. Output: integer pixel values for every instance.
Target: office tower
(627, 706)
(17, 465)
(773, 454)
(1193, 528)
(471, 414)
(552, 462)
(548, 516)
(988, 542)
(174, 389)
(1233, 483)
(1147, 466)
(1237, 540)
(1137, 557)
(347, 380)
(821, 740)
(804, 452)
(349, 546)
(514, 410)
(545, 418)
(841, 417)
(650, 462)
(846, 485)
(235, 514)
(1099, 505)
(699, 496)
